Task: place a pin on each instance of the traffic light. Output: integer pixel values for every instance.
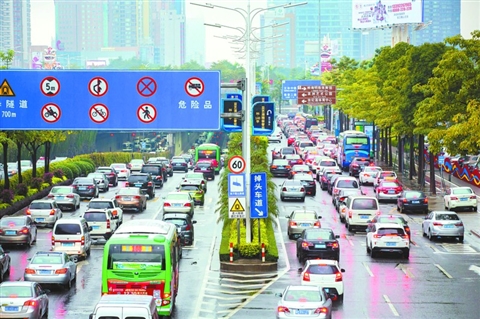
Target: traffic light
(111, 134)
(133, 134)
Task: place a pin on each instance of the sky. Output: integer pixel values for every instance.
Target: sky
(43, 23)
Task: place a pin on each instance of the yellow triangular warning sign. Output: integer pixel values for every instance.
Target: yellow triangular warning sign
(237, 206)
(6, 89)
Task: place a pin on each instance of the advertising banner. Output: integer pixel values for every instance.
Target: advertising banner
(382, 13)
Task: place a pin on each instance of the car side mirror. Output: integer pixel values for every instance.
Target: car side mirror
(337, 236)
(342, 270)
(279, 294)
(90, 228)
(91, 316)
(74, 259)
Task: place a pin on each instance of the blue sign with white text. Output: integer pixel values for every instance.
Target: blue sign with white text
(235, 96)
(236, 185)
(258, 195)
(110, 100)
(230, 124)
(289, 88)
(263, 118)
(260, 98)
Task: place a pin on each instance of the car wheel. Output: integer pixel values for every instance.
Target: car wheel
(68, 285)
(368, 248)
(429, 235)
(406, 254)
(474, 208)
(28, 243)
(350, 229)
(423, 232)
(303, 200)
(460, 239)
(398, 208)
(88, 252)
(340, 299)
(116, 183)
(78, 206)
(170, 174)
(282, 198)
(372, 253)
(290, 237)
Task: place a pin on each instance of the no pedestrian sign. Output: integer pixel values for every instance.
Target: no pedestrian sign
(147, 113)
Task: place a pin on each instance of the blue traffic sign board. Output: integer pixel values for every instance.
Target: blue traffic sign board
(231, 124)
(110, 100)
(258, 195)
(441, 160)
(236, 185)
(260, 98)
(263, 115)
(289, 88)
(236, 96)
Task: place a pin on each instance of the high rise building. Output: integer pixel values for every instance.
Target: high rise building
(15, 30)
(153, 29)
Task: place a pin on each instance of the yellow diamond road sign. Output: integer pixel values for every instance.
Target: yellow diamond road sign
(236, 207)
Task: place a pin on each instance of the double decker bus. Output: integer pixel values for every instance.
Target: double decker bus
(142, 258)
(209, 151)
(352, 144)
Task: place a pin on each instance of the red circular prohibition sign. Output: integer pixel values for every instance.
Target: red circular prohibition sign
(146, 86)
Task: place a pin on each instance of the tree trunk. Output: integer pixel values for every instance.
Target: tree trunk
(47, 156)
(421, 161)
(390, 158)
(384, 146)
(372, 152)
(6, 183)
(34, 161)
(433, 183)
(19, 162)
(411, 171)
(340, 116)
(400, 154)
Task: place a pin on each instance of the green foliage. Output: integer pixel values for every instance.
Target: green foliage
(32, 191)
(47, 178)
(6, 196)
(36, 183)
(56, 180)
(44, 186)
(4, 205)
(6, 58)
(251, 250)
(21, 189)
(17, 198)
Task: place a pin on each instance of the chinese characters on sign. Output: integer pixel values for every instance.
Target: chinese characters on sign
(258, 195)
(317, 95)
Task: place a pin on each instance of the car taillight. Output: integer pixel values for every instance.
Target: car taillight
(30, 303)
(82, 241)
(158, 177)
(108, 223)
(302, 189)
(453, 198)
(459, 224)
(437, 224)
(50, 196)
(166, 204)
(321, 310)
(306, 276)
(188, 227)
(74, 186)
(149, 184)
(293, 223)
(284, 189)
(398, 189)
(137, 197)
(118, 197)
(405, 236)
(29, 271)
(300, 161)
(283, 309)
(316, 224)
(338, 276)
(91, 186)
(350, 214)
(293, 173)
(24, 230)
(70, 196)
(473, 197)
(377, 236)
(61, 271)
(53, 240)
(354, 165)
(114, 212)
(29, 212)
(288, 167)
(187, 205)
(52, 212)
(425, 200)
(336, 191)
(305, 244)
(123, 171)
(273, 166)
(404, 200)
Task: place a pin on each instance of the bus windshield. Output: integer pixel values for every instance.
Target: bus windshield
(136, 257)
(357, 140)
(207, 154)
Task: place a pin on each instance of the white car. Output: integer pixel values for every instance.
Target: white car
(122, 170)
(110, 204)
(275, 137)
(460, 197)
(324, 273)
(136, 165)
(359, 210)
(388, 237)
(368, 174)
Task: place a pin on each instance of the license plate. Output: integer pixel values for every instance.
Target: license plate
(305, 225)
(302, 312)
(178, 164)
(391, 192)
(39, 219)
(127, 199)
(463, 199)
(415, 202)
(364, 216)
(390, 244)
(138, 185)
(44, 272)
(95, 227)
(177, 205)
(11, 308)
(82, 188)
(281, 167)
(60, 197)
(10, 232)
(320, 246)
(67, 244)
(448, 226)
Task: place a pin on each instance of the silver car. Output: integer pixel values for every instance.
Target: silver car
(122, 170)
(443, 224)
(65, 196)
(23, 299)
(101, 179)
(44, 212)
(300, 302)
(51, 267)
(179, 202)
(301, 219)
(291, 189)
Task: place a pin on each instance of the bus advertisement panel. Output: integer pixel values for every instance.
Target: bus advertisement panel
(352, 144)
(209, 152)
(143, 263)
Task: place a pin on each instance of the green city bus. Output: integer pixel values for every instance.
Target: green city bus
(209, 151)
(142, 258)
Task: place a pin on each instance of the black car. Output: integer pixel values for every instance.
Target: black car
(168, 166)
(331, 181)
(144, 182)
(308, 182)
(319, 243)
(280, 167)
(156, 171)
(412, 201)
(110, 173)
(206, 169)
(356, 165)
(184, 225)
(325, 178)
(5, 263)
(179, 164)
(85, 187)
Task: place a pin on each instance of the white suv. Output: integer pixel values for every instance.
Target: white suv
(358, 210)
(324, 273)
(460, 197)
(388, 237)
(103, 223)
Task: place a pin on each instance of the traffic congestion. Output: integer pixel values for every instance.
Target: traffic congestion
(354, 242)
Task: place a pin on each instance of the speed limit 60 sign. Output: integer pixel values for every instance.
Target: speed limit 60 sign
(237, 164)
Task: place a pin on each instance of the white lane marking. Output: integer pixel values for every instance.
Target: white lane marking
(405, 270)
(392, 307)
(158, 213)
(444, 271)
(350, 242)
(368, 269)
(475, 269)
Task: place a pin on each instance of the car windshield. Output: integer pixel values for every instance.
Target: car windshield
(151, 169)
(328, 163)
(301, 168)
(178, 160)
(391, 231)
(95, 175)
(189, 188)
(118, 166)
(12, 222)
(84, 181)
(68, 229)
(322, 269)
(303, 296)
(177, 196)
(347, 184)
(137, 178)
(40, 205)
(95, 216)
(413, 195)
(288, 151)
(128, 191)
(176, 221)
(15, 291)
(462, 191)
(387, 174)
(136, 162)
(46, 259)
(100, 205)
(389, 184)
(104, 170)
(307, 216)
(447, 217)
(365, 204)
(204, 165)
(61, 190)
(391, 219)
(318, 235)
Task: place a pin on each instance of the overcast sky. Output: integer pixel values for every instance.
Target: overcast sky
(43, 24)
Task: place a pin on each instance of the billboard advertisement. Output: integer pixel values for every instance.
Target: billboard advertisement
(368, 14)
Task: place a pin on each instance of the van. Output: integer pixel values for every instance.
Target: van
(343, 182)
(125, 306)
(72, 236)
(157, 171)
(359, 210)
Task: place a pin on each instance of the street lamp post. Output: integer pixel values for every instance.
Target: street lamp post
(248, 15)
